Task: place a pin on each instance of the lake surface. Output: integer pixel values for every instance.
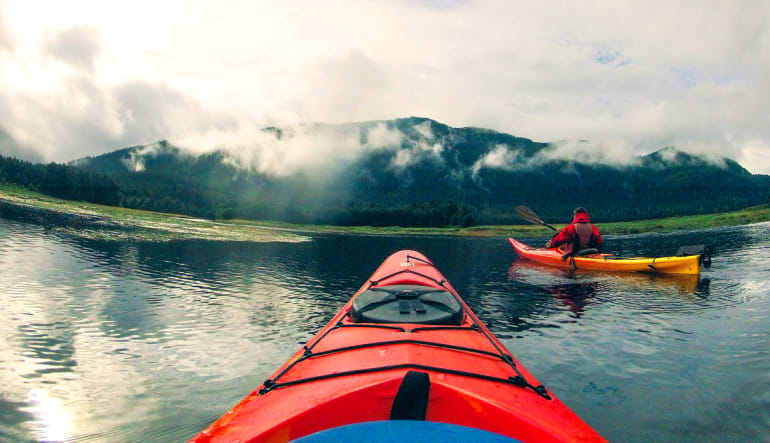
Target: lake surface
(129, 341)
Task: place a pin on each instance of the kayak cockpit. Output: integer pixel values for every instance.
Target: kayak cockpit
(405, 431)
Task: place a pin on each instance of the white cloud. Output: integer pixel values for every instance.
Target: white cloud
(77, 46)
(500, 157)
(135, 160)
(423, 145)
(6, 39)
(314, 150)
(605, 151)
(89, 77)
(425, 130)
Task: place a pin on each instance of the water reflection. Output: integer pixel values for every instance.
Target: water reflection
(49, 345)
(127, 341)
(577, 288)
(574, 296)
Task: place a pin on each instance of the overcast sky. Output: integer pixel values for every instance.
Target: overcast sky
(87, 77)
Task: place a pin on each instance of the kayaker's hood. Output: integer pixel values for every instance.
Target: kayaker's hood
(581, 217)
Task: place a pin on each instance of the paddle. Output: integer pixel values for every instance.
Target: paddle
(530, 216)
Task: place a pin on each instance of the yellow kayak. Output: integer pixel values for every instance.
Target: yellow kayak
(689, 264)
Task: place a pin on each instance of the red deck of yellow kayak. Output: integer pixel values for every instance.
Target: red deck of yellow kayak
(605, 262)
(351, 372)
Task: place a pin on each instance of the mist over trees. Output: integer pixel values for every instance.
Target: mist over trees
(435, 176)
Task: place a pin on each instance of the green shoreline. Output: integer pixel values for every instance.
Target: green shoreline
(94, 221)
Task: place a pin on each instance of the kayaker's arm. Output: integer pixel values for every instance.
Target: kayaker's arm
(562, 237)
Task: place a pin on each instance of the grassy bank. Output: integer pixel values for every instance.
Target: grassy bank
(92, 221)
(746, 216)
(111, 223)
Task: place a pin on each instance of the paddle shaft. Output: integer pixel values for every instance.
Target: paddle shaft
(547, 225)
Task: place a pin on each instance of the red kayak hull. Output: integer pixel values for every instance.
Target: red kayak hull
(351, 372)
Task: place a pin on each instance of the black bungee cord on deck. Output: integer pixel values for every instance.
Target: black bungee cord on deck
(518, 380)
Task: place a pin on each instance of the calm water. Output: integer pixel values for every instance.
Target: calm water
(103, 341)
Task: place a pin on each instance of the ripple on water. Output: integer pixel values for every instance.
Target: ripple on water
(167, 337)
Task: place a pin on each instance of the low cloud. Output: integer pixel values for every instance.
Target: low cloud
(423, 146)
(10, 148)
(501, 157)
(611, 152)
(315, 150)
(156, 112)
(135, 161)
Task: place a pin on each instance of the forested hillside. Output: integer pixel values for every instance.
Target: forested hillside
(405, 172)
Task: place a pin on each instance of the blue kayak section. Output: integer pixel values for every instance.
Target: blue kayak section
(404, 431)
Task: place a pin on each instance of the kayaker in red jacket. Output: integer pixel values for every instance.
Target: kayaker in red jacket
(578, 235)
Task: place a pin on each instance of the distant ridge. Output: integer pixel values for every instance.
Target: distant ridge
(418, 172)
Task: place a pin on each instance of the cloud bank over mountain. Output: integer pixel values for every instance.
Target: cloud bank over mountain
(310, 148)
(602, 80)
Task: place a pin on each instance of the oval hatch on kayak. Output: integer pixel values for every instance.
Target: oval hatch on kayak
(407, 304)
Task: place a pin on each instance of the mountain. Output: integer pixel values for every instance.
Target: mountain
(416, 172)
(391, 183)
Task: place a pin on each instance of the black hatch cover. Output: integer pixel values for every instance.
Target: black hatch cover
(407, 304)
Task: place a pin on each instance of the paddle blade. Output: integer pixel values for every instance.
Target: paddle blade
(528, 215)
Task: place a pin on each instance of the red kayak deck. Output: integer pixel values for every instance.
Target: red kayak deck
(419, 332)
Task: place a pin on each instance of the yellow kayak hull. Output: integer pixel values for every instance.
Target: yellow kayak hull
(606, 262)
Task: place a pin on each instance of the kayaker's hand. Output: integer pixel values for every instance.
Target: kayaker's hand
(548, 244)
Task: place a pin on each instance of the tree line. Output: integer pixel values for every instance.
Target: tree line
(58, 180)
(428, 195)
(157, 193)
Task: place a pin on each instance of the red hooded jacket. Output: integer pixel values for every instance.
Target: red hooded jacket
(580, 234)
